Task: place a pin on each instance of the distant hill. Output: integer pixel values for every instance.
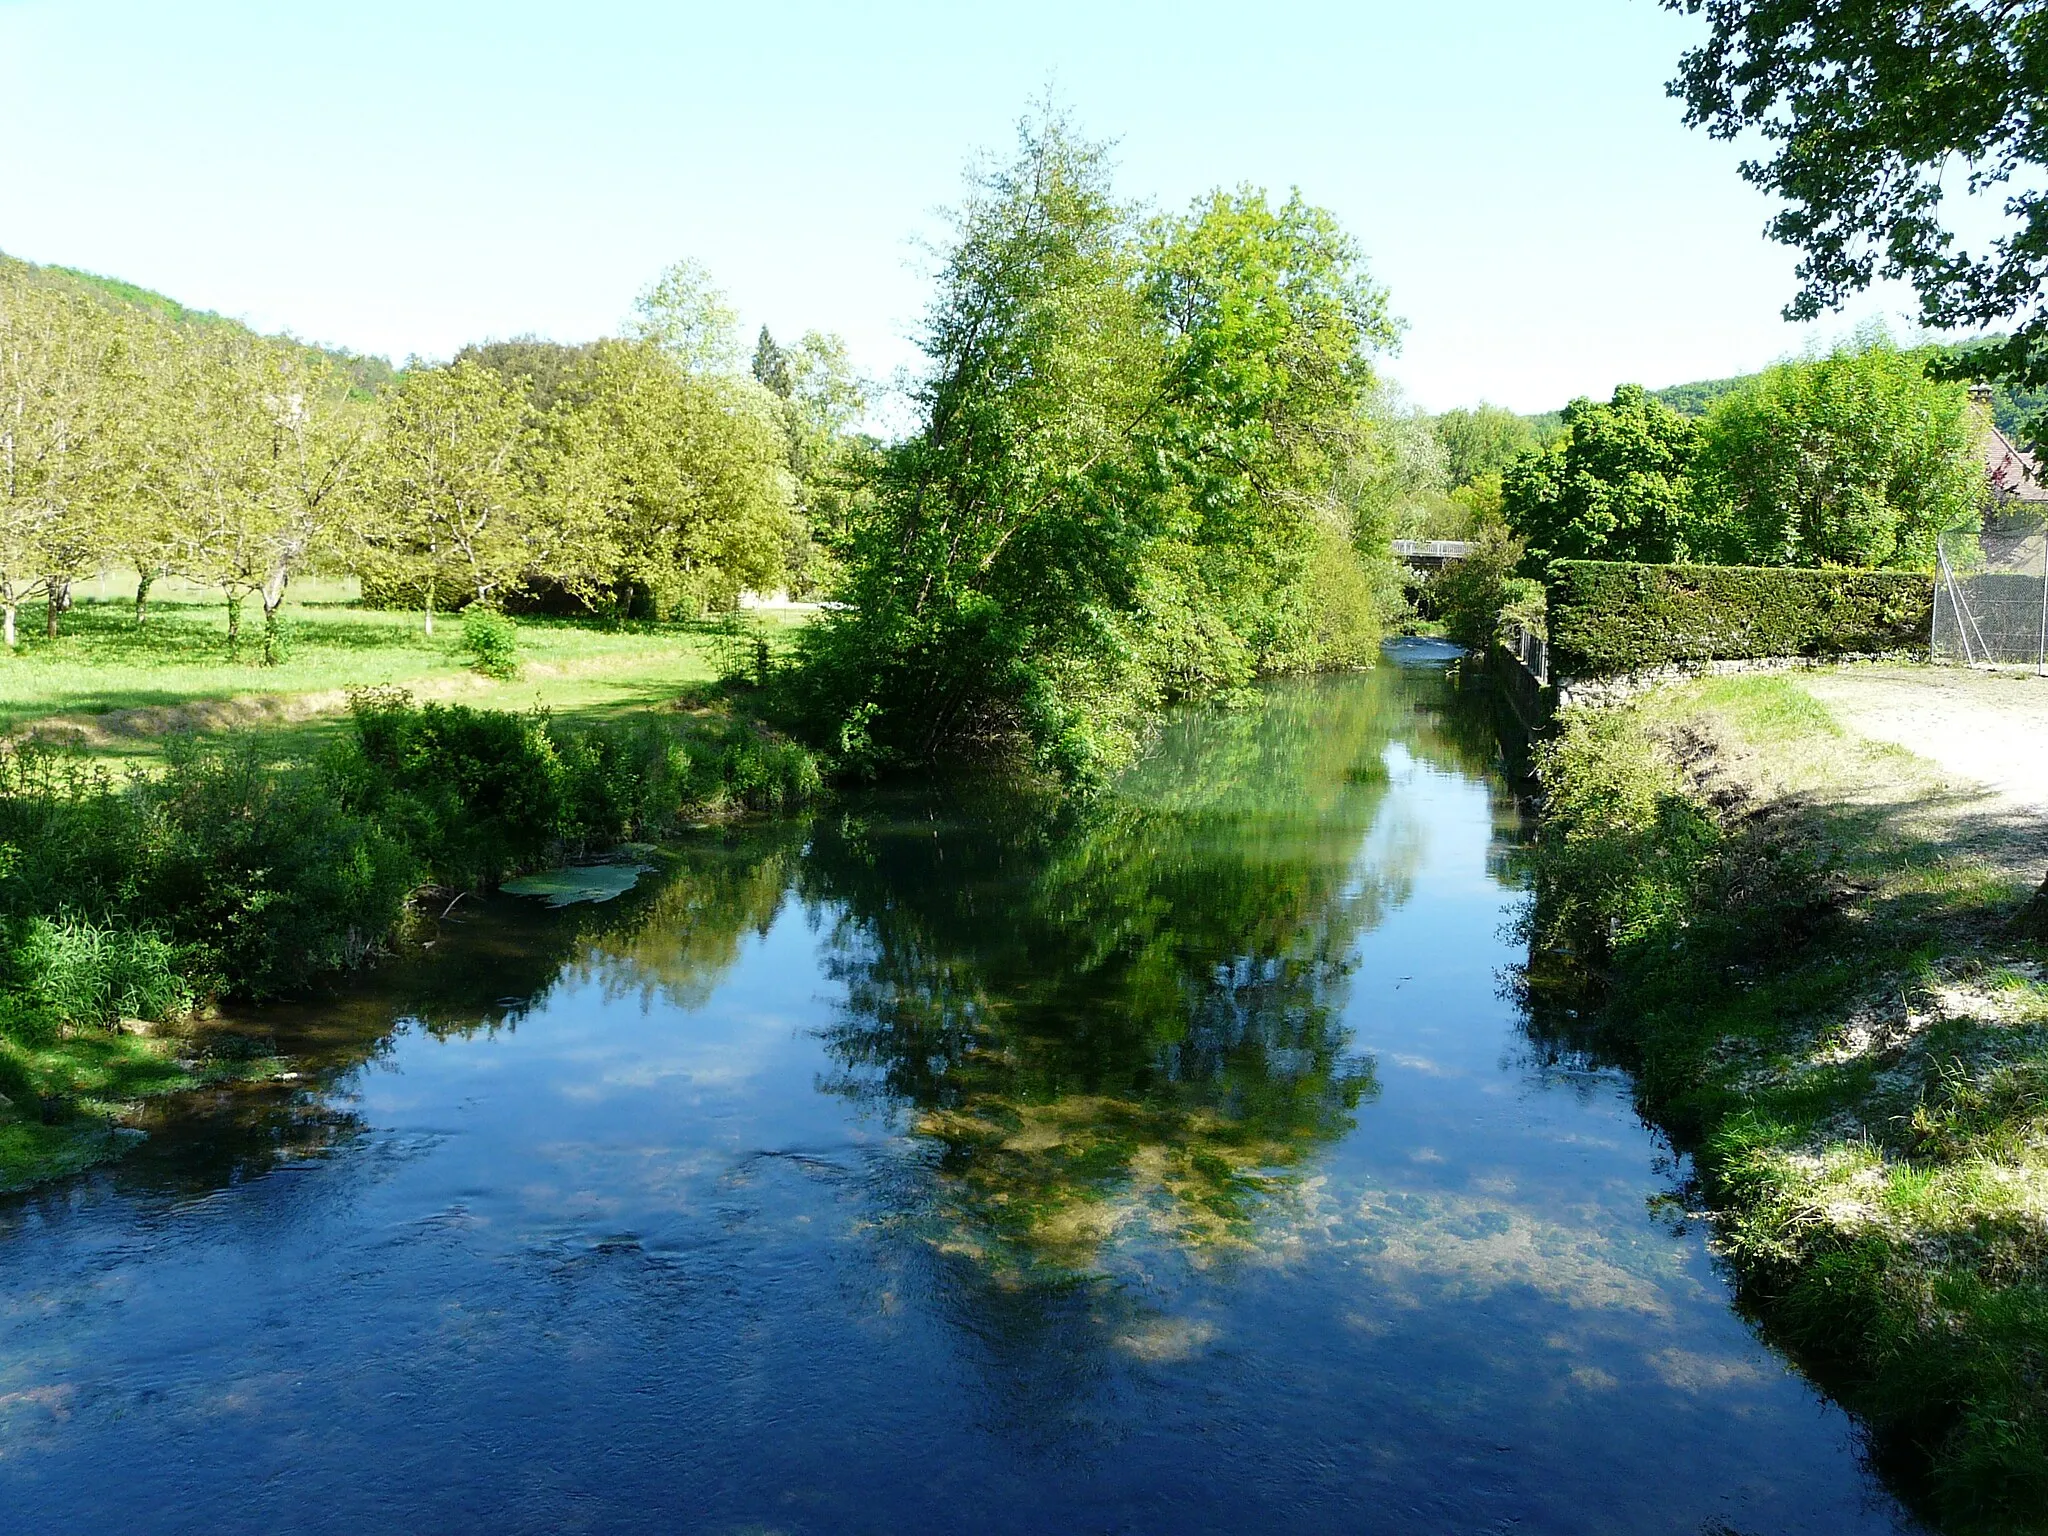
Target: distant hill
(2012, 411)
(366, 374)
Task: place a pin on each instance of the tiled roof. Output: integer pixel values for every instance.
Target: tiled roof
(2014, 474)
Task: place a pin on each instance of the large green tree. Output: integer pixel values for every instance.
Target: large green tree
(1482, 441)
(1878, 119)
(62, 389)
(449, 504)
(1611, 486)
(1127, 481)
(1857, 458)
(681, 477)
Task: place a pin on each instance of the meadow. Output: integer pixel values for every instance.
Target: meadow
(118, 689)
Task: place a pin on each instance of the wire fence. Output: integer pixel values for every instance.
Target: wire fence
(1991, 594)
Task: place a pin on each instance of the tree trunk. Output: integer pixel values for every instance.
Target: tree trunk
(2032, 923)
(142, 585)
(234, 627)
(7, 622)
(60, 599)
(273, 629)
(428, 601)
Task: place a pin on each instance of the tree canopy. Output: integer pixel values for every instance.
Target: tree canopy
(1612, 486)
(1130, 478)
(1876, 114)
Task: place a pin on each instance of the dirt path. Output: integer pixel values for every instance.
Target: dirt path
(1988, 728)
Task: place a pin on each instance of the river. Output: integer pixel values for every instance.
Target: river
(953, 1160)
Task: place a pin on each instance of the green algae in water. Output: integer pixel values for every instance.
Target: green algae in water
(578, 882)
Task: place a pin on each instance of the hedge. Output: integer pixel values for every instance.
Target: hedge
(1610, 617)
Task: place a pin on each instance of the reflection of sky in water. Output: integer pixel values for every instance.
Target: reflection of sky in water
(624, 1266)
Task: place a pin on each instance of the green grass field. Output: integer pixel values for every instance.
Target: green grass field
(118, 689)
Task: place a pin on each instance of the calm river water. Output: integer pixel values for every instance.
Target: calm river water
(949, 1162)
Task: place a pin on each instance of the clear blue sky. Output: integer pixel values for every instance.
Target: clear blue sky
(402, 178)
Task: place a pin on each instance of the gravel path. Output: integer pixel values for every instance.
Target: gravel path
(1990, 728)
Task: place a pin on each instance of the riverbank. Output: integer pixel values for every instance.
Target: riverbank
(1802, 939)
(128, 905)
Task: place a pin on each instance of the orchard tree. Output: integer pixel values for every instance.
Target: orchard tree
(1611, 486)
(682, 479)
(254, 469)
(60, 392)
(449, 499)
(1857, 458)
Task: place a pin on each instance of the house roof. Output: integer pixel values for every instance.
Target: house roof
(2015, 476)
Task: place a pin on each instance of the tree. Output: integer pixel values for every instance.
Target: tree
(771, 365)
(1131, 478)
(59, 357)
(250, 468)
(450, 503)
(1875, 111)
(685, 488)
(823, 407)
(540, 368)
(686, 314)
(1857, 458)
(1482, 441)
(1612, 487)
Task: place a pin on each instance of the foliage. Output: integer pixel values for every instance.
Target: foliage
(76, 972)
(1611, 617)
(1471, 596)
(1131, 474)
(452, 490)
(1622, 848)
(1613, 486)
(1857, 458)
(682, 478)
(541, 369)
(1482, 441)
(492, 641)
(256, 873)
(686, 315)
(1875, 112)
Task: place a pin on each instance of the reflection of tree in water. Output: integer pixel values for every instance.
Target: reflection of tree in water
(687, 933)
(1125, 1015)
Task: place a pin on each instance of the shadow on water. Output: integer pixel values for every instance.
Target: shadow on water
(955, 1157)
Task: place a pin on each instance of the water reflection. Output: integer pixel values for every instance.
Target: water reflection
(1120, 1021)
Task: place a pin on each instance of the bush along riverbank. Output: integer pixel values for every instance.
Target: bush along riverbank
(130, 903)
(1817, 958)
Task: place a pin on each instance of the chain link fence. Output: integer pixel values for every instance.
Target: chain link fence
(1991, 594)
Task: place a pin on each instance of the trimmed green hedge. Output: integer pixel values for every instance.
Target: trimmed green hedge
(1608, 617)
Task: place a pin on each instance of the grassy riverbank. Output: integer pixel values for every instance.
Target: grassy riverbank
(1803, 942)
(137, 899)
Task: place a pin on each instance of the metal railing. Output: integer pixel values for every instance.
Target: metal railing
(1530, 649)
(1432, 549)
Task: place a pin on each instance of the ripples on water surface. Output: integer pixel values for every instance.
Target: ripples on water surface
(950, 1162)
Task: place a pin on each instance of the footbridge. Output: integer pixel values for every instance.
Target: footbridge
(1432, 553)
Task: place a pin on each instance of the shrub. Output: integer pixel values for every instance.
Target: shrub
(259, 875)
(264, 867)
(476, 793)
(492, 641)
(1609, 617)
(80, 973)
